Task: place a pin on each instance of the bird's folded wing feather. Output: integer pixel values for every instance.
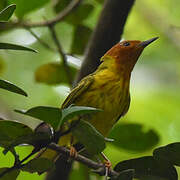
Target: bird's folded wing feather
(78, 91)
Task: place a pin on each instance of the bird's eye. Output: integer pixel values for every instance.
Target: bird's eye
(126, 44)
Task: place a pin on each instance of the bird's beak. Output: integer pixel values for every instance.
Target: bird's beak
(147, 42)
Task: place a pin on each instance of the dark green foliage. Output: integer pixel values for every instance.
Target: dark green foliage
(12, 175)
(148, 168)
(15, 47)
(80, 39)
(39, 165)
(125, 175)
(170, 153)
(6, 13)
(133, 137)
(72, 111)
(50, 115)
(11, 87)
(93, 141)
(11, 130)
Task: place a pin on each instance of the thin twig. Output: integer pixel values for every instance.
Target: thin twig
(98, 167)
(61, 53)
(43, 43)
(74, 4)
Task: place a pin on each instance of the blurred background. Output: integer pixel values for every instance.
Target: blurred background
(154, 116)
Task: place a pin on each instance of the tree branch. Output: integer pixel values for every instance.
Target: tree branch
(23, 24)
(107, 33)
(98, 167)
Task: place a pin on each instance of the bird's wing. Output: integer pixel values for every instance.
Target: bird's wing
(125, 110)
(78, 90)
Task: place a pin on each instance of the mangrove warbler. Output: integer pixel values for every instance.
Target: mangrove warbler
(108, 87)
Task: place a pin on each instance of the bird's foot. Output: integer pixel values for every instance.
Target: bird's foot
(73, 153)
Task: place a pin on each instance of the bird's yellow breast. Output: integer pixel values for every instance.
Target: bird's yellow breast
(109, 93)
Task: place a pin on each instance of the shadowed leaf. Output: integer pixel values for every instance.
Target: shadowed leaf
(125, 175)
(80, 14)
(11, 87)
(53, 73)
(6, 13)
(61, 5)
(38, 140)
(50, 115)
(10, 130)
(169, 153)
(12, 175)
(15, 47)
(86, 134)
(39, 165)
(147, 168)
(133, 137)
(80, 39)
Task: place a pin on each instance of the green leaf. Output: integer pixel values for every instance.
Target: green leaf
(80, 14)
(10, 130)
(6, 13)
(53, 73)
(61, 5)
(133, 137)
(169, 153)
(39, 165)
(38, 140)
(3, 4)
(80, 39)
(25, 7)
(11, 87)
(125, 175)
(72, 111)
(147, 168)
(12, 175)
(15, 47)
(50, 115)
(86, 134)
(2, 65)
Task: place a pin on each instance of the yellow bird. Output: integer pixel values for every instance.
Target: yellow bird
(107, 88)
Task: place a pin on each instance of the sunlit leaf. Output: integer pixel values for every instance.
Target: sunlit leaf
(80, 39)
(50, 115)
(15, 47)
(25, 7)
(10, 130)
(147, 168)
(169, 153)
(133, 137)
(39, 165)
(72, 111)
(53, 73)
(11, 87)
(86, 134)
(12, 175)
(6, 13)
